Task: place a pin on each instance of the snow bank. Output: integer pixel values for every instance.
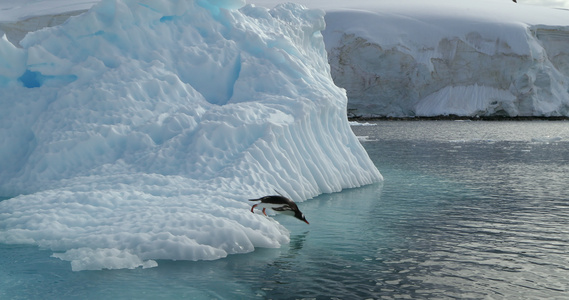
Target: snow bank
(407, 58)
(136, 131)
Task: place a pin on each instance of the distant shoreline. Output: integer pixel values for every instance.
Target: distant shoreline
(459, 118)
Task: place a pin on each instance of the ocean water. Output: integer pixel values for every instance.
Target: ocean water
(468, 210)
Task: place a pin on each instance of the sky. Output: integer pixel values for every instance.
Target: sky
(11, 10)
(548, 3)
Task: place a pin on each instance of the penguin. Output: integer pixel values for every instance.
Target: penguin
(280, 204)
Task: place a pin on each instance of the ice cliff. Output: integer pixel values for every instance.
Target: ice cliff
(138, 130)
(417, 58)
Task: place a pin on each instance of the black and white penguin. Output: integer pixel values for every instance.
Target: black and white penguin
(279, 204)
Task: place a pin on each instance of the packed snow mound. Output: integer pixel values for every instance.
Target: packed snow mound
(138, 130)
(417, 58)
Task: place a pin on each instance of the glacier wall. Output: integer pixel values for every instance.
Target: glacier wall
(138, 130)
(417, 65)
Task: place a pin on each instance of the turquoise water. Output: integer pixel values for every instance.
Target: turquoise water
(469, 210)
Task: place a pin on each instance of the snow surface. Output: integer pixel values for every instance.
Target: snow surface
(138, 130)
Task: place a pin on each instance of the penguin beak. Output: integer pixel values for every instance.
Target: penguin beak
(305, 221)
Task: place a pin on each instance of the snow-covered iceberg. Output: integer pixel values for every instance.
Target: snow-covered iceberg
(425, 58)
(138, 130)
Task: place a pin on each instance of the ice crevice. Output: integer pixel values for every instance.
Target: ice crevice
(136, 131)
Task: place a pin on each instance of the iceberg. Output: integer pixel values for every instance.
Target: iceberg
(136, 131)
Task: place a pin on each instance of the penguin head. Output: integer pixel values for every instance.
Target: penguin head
(301, 217)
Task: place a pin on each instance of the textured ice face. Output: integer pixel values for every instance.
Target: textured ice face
(407, 58)
(138, 130)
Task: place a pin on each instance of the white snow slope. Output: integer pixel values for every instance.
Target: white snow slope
(138, 130)
(441, 57)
